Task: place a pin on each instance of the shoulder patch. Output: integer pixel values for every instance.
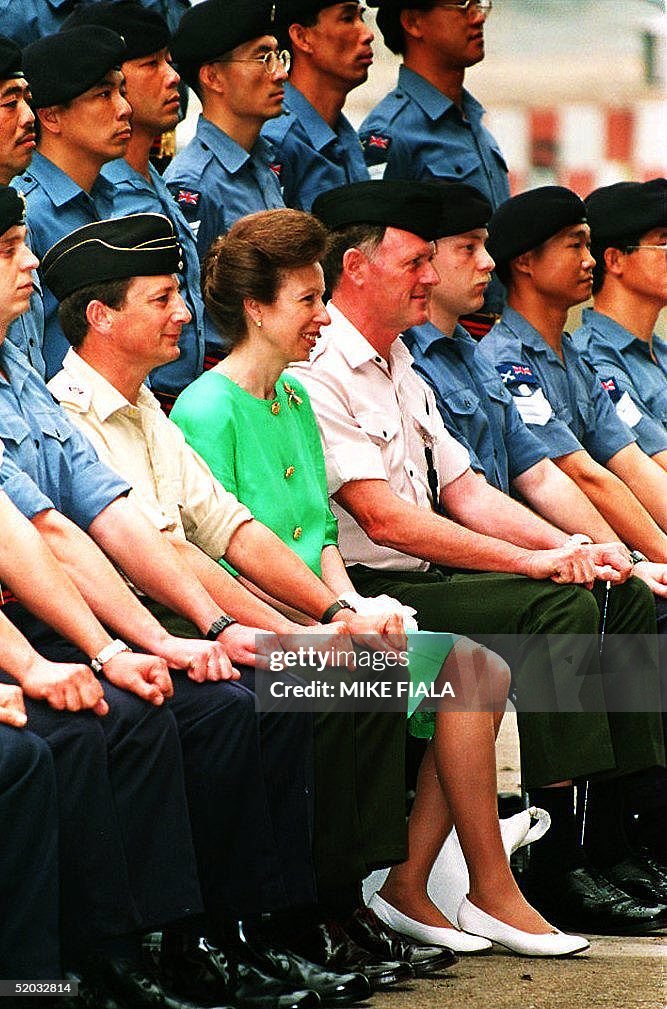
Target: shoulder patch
(610, 386)
(188, 197)
(375, 146)
(514, 375)
(277, 169)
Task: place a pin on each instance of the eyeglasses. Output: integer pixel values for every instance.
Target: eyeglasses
(271, 60)
(633, 248)
(482, 6)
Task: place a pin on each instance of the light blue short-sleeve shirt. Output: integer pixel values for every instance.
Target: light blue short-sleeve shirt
(562, 401)
(632, 373)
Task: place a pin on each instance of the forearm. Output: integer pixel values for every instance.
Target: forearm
(264, 559)
(30, 569)
(17, 652)
(485, 509)
(618, 505)
(661, 459)
(228, 592)
(392, 522)
(108, 596)
(152, 563)
(646, 480)
(334, 574)
(558, 499)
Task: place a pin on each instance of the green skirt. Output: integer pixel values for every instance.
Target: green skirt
(427, 652)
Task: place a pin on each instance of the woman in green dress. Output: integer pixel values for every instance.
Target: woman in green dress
(253, 423)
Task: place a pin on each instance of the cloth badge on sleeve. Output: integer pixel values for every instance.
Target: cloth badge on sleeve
(529, 398)
(188, 197)
(376, 150)
(626, 409)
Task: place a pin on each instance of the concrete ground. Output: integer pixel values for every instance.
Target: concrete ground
(616, 973)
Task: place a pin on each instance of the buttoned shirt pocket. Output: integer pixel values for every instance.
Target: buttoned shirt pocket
(379, 428)
(451, 164)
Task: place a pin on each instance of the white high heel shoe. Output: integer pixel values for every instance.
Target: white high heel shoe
(556, 943)
(429, 935)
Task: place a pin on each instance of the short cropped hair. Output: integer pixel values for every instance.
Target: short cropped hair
(598, 250)
(365, 237)
(251, 261)
(72, 310)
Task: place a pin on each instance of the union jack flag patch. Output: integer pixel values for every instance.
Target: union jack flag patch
(188, 197)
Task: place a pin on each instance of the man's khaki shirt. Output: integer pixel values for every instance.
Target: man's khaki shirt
(171, 484)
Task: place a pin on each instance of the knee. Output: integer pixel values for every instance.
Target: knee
(488, 667)
(24, 757)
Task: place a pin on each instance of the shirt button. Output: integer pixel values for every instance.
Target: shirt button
(275, 408)
(296, 535)
(378, 360)
(36, 442)
(289, 472)
(458, 169)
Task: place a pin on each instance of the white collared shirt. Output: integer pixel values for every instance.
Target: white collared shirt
(376, 418)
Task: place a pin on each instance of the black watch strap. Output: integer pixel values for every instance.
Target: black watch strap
(335, 608)
(219, 625)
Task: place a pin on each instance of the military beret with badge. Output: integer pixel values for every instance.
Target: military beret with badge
(144, 31)
(64, 65)
(12, 208)
(625, 211)
(138, 245)
(526, 221)
(11, 59)
(215, 27)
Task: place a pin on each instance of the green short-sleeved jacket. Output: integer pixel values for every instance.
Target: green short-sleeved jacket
(266, 452)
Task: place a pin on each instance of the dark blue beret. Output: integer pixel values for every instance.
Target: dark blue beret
(62, 66)
(215, 27)
(625, 211)
(139, 245)
(290, 12)
(11, 59)
(12, 208)
(526, 221)
(144, 31)
(422, 208)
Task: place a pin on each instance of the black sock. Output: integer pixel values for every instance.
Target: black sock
(605, 839)
(559, 850)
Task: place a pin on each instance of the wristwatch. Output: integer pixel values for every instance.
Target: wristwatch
(636, 556)
(114, 647)
(218, 626)
(335, 608)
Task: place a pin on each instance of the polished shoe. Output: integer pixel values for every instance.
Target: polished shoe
(451, 938)
(366, 929)
(131, 985)
(329, 945)
(641, 877)
(584, 900)
(333, 989)
(196, 968)
(556, 944)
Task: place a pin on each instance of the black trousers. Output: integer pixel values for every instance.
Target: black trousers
(249, 782)
(29, 941)
(126, 857)
(555, 745)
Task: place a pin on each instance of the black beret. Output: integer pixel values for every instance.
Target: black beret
(139, 245)
(11, 59)
(215, 27)
(526, 221)
(12, 208)
(626, 210)
(144, 31)
(461, 207)
(62, 66)
(418, 207)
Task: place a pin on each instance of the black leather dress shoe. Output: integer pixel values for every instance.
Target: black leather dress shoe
(366, 929)
(583, 900)
(641, 877)
(132, 987)
(200, 970)
(328, 945)
(334, 989)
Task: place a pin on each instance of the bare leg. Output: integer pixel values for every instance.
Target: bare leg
(457, 782)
